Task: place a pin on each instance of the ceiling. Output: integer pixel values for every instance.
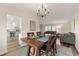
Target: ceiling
(57, 10)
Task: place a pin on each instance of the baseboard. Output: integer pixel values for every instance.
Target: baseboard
(4, 53)
(76, 49)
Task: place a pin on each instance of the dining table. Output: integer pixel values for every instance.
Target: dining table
(37, 43)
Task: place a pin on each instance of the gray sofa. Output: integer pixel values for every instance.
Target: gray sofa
(68, 38)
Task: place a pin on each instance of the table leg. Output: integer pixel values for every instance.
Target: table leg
(33, 51)
(46, 52)
(37, 52)
(28, 53)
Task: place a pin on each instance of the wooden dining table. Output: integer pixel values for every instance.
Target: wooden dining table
(36, 43)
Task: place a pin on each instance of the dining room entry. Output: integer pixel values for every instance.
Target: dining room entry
(13, 31)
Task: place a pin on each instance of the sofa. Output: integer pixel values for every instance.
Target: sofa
(67, 38)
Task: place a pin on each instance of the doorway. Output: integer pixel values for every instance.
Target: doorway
(13, 31)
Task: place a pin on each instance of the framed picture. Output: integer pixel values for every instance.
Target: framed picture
(32, 25)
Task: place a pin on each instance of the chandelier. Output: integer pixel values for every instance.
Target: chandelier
(42, 11)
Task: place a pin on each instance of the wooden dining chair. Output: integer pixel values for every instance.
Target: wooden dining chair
(50, 32)
(38, 33)
(54, 45)
(31, 50)
(48, 46)
(30, 34)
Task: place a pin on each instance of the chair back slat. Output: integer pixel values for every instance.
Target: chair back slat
(30, 34)
(38, 33)
(51, 41)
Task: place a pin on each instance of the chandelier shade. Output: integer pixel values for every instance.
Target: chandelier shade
(42, 11)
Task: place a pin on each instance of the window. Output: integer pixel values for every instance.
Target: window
(47, 28)
(50, 28)
(53, 28)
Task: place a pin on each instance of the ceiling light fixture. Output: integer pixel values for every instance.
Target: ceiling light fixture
(42, 11)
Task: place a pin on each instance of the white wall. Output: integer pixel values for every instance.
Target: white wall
(3, 32)
(26, 17)
(68, 27)
(76, 17)
(50, 20)
(66, 24)
(73, 26)
(77, 33)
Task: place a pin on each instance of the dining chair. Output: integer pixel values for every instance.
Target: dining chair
(30, 34)
(50, 32)
(54, 45)
(31, 50)
(47, 47)
(38, 33)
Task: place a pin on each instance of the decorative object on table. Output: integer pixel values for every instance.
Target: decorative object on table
(35, 37)
(43, 39)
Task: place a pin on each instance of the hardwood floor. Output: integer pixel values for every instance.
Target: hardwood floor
(12, 44)
(73, 48)
(75, 52)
